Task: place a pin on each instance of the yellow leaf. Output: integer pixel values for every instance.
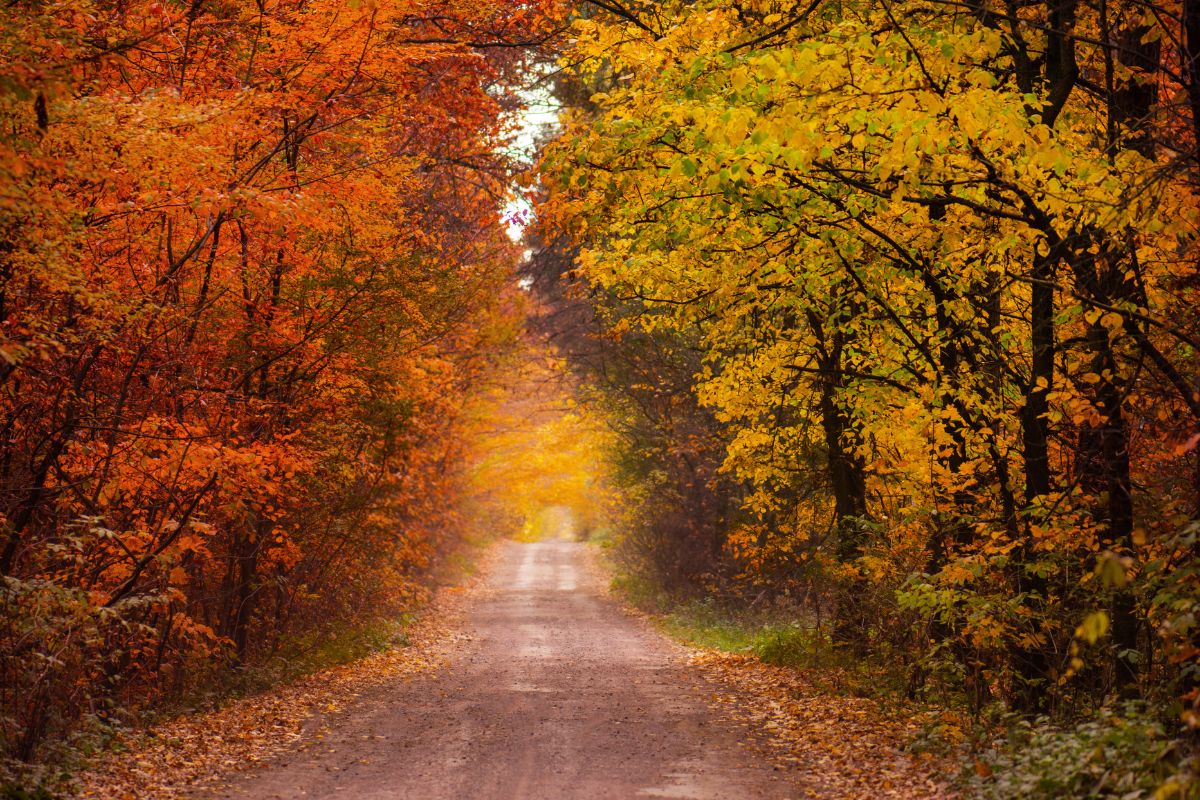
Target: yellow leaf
(1093, 627)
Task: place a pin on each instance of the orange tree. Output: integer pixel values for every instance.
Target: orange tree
(249, 269)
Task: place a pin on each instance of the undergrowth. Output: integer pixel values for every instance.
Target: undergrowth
(294, 658)
(783, 636)
(313, 652)
(1128, 753)
(297, 658)
(1132, 753)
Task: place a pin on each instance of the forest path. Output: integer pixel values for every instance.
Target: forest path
(558, 694)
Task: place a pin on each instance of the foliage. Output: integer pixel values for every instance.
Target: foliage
(1126, 755)
(251, 272)
(662, 451)
(196, 750)
(539, 457)
(937, 265)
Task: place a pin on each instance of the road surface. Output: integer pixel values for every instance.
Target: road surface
(558, 695)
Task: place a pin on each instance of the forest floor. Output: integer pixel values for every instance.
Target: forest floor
(532, 683)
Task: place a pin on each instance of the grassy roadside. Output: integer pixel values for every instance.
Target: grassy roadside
(829, 720)
(1122, 752)
(92, 749)
(272, 707)
(774, 639)
(781, 637)
(781, 674)
(302, 656)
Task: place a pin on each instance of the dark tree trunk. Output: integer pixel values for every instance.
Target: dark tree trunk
(1032, 662)
(845, 471)
(1191, 40)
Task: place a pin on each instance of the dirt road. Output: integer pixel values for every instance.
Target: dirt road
(558, 695)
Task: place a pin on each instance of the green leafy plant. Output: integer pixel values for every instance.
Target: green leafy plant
(1129, 754)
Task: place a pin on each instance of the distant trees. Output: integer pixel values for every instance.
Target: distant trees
(666, 451)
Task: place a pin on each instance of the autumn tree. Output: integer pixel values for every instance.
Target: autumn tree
(945, 249)
(251, 267)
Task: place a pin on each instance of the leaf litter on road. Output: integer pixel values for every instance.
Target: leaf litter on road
(176, 758)
(836, 746)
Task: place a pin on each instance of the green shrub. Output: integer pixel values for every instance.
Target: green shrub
(1125, 755)
(787, 645)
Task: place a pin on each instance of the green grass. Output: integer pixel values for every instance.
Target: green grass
(779, 636)
(775, 639)
(349, 644)
(603, 537)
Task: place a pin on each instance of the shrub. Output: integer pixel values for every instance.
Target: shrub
(1128, 755)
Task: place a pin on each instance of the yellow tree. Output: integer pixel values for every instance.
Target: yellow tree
(917, 244)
